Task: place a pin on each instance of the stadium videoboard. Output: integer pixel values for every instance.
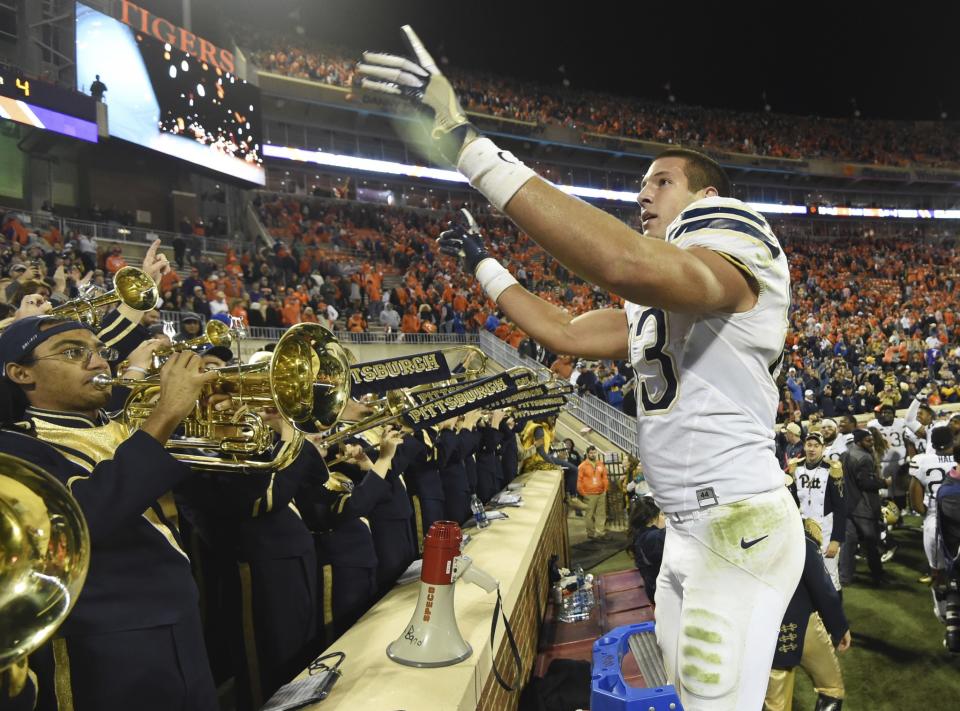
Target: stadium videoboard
(52, 108)
(173, 101)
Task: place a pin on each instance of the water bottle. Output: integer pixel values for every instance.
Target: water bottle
(479, 514)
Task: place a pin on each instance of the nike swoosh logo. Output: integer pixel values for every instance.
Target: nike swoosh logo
(747, 544)
(502, 155)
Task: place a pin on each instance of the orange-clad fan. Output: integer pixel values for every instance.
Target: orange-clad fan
(410, 322)
(115, 262)
(356, 323)
(291, 310)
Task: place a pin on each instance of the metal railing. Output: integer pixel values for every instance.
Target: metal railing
(273, 334)
(395, 338)
(144, 235)
(116, 232)
(601, 417)
(256, 227)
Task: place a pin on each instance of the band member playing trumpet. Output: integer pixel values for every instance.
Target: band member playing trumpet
(261, 610)
(134, 639)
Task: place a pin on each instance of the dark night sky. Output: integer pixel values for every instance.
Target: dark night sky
(901, 62)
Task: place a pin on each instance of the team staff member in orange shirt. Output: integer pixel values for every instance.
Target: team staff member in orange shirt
(592, 486)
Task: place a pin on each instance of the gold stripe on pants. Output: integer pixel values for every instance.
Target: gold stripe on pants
(63, 686)
(327, 573)
(820, 660)
(780, 690)
(249, 635)
(418, 521)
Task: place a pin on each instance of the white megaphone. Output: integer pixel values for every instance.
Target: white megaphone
(432, 638)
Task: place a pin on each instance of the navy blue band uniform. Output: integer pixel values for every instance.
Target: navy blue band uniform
(264, 566)
(198, 577)
(488, 462)
(138, 614)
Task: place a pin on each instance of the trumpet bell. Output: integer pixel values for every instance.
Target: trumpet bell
(135, 289)
(217, 333)
(44, 556)
(310, 377)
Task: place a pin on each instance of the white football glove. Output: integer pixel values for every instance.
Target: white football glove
(422, 83)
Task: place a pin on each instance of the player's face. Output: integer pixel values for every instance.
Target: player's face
(813, 450)
(924, 417)
(829, 433)
(885, 417)
(664, 195)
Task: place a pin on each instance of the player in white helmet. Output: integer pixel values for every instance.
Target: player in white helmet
(894, 431)
(927, 472)
(708, 291)
(920, 420)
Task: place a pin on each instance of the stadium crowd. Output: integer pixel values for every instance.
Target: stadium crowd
(893, 143)
(286, 563)
(874, 322)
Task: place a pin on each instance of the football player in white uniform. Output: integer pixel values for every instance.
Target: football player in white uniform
(928, 471)
(708, 291)
(894, 430)
(920, 423)
(834, 442)
(818, 484)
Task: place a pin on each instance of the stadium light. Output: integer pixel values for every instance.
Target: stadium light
(386, 167)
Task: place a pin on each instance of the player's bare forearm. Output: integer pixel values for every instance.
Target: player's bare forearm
(595, 334)
(604, 251)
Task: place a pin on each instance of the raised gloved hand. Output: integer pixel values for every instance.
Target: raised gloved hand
(464, 241)
(420, 81)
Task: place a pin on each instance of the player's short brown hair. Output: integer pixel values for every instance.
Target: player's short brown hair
(701, 170)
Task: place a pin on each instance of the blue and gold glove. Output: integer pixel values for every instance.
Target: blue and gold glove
(464, 241)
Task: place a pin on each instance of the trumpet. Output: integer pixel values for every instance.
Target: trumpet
(306, 380)
(216, 333)
(44, 556)
(132, 287)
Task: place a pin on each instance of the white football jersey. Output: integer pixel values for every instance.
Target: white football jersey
(838, 447)
(930, 469)
(895, 435)
(706, 395)
(920, 444)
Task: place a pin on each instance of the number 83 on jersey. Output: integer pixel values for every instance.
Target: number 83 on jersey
(658, 376)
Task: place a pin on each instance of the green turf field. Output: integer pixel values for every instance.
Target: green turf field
(897, 660)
